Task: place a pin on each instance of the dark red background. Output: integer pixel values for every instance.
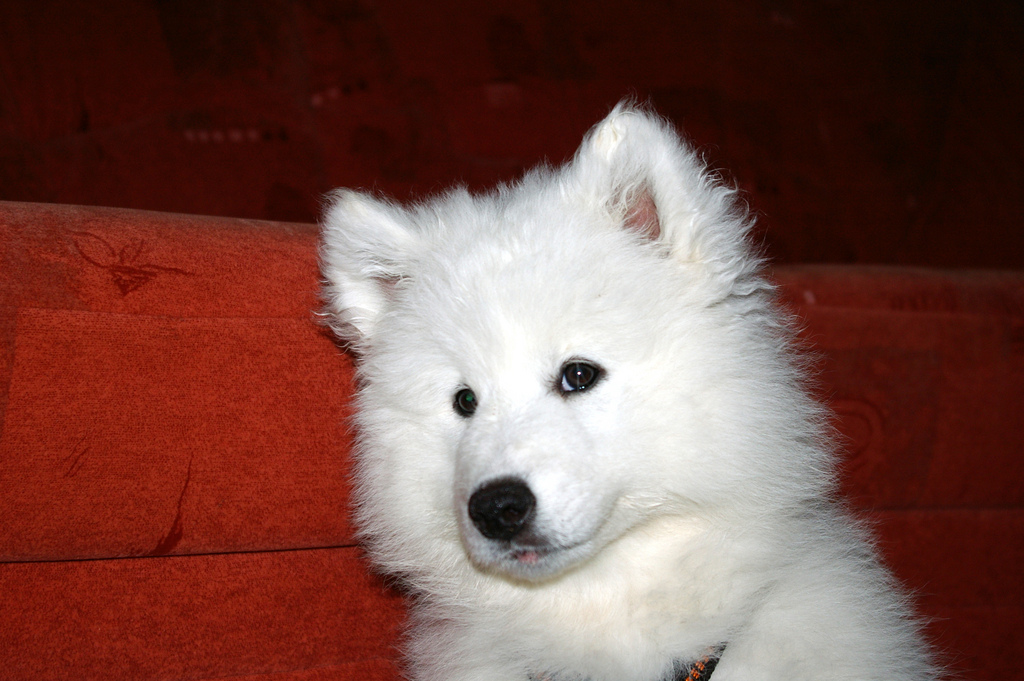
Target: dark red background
(876, 131)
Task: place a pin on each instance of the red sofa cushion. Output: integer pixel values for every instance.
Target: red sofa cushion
(174, 455)
(164, 372)
(174, 450)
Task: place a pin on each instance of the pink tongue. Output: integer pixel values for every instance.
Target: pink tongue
(528, 557)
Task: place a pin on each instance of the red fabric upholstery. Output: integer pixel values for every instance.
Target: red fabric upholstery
(174, 454)
(173, 460)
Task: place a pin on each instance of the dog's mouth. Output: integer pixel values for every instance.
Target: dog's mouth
(533, 562)
(531, 555)
(530, 564)
(531, 548)
(527, 556)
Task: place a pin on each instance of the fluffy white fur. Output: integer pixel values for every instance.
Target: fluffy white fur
(683, 501)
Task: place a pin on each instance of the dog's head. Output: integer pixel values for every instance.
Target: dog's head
(547, 367)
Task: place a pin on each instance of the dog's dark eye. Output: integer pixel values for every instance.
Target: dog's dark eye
(465, 402)
(577, 376)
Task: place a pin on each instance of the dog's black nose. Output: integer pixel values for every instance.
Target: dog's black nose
(502, 508)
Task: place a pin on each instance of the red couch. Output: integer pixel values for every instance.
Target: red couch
(174, 454)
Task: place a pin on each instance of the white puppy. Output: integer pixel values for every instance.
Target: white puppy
(585, 442)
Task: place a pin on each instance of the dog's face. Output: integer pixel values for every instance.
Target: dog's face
(544, 374)
(546, 368)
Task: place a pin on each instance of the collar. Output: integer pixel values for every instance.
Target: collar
(699, 670)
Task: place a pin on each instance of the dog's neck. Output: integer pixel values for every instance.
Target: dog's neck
(697, 670)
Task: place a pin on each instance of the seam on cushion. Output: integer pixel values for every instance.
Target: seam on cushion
(352, 545)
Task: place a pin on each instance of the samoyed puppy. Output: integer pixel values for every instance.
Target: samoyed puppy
(585, 442)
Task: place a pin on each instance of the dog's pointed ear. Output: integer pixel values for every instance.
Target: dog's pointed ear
(366, 247)
(638, 168)
(640, 214)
